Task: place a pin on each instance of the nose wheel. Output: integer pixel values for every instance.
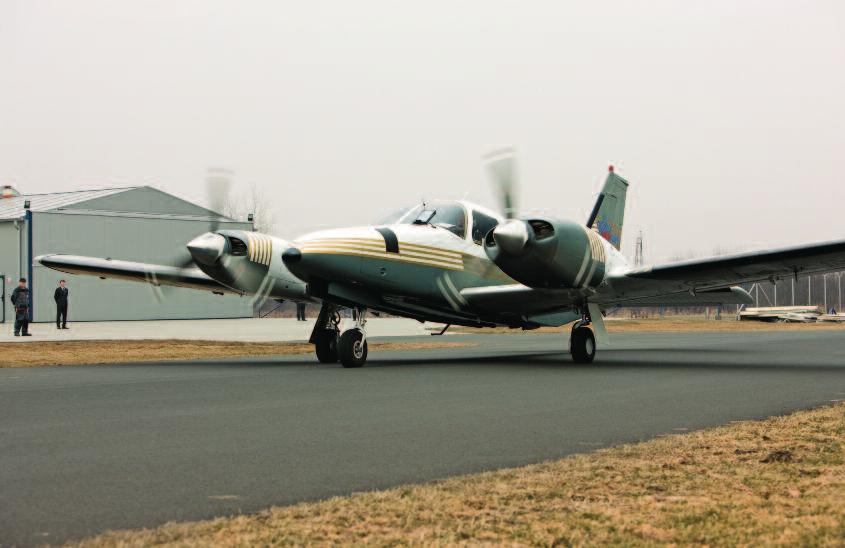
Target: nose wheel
(352, 348)
(352, 345)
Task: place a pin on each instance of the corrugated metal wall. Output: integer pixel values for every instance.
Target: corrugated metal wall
(123, 236)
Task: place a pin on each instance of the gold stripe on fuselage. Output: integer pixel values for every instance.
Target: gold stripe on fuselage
(403, 246)
(403, 251)
(370, 253)
(413, 253)
(441, 258)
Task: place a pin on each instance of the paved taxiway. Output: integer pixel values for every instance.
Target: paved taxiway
(85, 449)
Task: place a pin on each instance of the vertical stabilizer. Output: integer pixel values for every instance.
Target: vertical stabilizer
(609, 212)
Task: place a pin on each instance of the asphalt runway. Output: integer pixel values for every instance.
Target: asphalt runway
(85, 449)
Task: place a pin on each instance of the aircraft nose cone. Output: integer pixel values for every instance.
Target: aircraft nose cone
(511, 236)
(207, 248)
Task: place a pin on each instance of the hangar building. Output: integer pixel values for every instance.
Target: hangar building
(136, 224)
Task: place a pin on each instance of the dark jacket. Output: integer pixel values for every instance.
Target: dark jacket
(60, 296)
(20, 298)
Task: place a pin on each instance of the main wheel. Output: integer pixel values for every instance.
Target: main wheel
(582, 345)
(326, 347)
(352, 348)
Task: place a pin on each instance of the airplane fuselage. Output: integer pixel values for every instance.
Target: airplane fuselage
(419, 271)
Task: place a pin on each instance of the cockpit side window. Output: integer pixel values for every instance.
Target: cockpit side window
(481, 225)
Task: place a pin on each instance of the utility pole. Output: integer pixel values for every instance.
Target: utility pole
(824, 278)
(839, 278)
(792, 282)
(638, 250)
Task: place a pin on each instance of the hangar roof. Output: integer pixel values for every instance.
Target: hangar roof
(133, 199)
(13, 207)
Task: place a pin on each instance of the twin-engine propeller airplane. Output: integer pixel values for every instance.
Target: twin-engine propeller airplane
(456, 263)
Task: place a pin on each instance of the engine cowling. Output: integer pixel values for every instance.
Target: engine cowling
(549, 253)
(249, 262)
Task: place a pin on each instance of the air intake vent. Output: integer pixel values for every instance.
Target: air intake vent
(238, 246)
(542, 229)
(489, 241)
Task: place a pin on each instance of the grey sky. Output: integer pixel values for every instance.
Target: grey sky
(727, 117)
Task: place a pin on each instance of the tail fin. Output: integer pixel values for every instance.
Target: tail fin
(609, 212)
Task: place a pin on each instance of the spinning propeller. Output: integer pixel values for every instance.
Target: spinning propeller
(502, 170)
(513, 234)
(208, 247)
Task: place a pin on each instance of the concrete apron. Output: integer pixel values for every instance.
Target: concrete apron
(240, 329)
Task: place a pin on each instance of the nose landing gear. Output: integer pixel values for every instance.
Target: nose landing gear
(352, 346)
(348, 347)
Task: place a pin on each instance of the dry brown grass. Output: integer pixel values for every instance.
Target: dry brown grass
(673, 325)
(774, 482)
(31, 354)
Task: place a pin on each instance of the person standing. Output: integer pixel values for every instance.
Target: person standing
(60, 296)
(300, 312)
(21, 301)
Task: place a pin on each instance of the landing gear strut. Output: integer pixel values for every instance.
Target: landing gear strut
(582, 341)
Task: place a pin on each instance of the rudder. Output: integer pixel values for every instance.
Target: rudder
(609, 212)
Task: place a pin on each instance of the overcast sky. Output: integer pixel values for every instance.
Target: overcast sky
(727, 117)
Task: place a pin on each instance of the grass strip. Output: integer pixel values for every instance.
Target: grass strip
(32, 354)
(779, 481)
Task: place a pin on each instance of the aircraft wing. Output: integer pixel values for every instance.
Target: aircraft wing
(154, 274)
(711, 297)
(719, 272)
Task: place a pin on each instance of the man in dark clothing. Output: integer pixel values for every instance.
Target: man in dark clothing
(60, 296)
(300, 312)
(21, 301)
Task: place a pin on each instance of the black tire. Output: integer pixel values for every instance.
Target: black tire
(352, 348)
(326, 347)
(582, 345)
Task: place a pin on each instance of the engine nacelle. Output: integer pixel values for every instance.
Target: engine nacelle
(249, 262)
(548, 253)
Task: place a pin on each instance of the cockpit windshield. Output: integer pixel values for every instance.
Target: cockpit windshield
(449, 215)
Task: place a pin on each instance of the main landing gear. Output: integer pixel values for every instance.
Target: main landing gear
(582, 341)
(348, 347)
